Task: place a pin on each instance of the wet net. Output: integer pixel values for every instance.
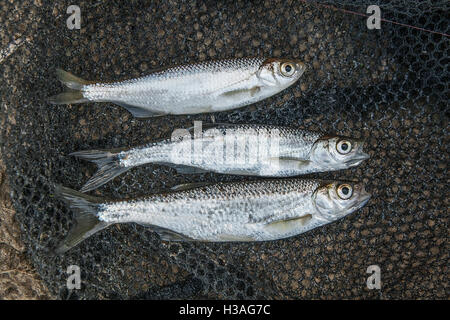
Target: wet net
(389, 86)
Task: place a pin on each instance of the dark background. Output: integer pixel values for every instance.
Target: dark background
(389, 86)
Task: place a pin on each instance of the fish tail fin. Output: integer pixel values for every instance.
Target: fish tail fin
(75, 85)
(87, 223)
(71, 81)
(108, 164)
(68, 97)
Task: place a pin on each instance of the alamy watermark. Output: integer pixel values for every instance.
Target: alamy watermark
(74, 279)
(228, 146)
(374, 21)
(374, 280)
(74, 20)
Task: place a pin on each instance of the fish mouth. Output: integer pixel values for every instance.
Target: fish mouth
(301, 67)
(361, 155)
(364, 198)
(358, 159)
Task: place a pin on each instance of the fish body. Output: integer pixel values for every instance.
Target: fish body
(238, 211)
(204, 87)
(257, 150)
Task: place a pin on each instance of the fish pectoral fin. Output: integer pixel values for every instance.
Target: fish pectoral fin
(167, 234)
(139, 112)
(188, 186)
(242, 93)
(283, 226)
(286, 162)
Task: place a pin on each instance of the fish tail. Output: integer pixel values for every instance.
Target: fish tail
(71, 81)
(108, 164)
(85, 210)
(75, 85)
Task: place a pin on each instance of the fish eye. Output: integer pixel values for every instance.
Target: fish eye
(344, 146)
(287, 69)
(345, 191)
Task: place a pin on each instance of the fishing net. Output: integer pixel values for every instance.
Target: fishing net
(389, 86)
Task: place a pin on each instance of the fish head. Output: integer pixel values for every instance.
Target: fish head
(280, 72)
(334, 200)
(338, 152)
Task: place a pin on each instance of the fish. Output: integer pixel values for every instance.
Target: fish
(204, 87)
(261, 210)
(239, 149)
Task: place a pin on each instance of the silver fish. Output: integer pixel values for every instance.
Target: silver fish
(258, 150)
(238, 211)
(189, 89)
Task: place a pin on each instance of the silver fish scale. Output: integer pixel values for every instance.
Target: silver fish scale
(214, 66)
(181, 84)
(212, 212)
(230, 190)
(250, 150)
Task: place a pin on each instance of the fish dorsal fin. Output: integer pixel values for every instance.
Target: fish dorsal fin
(189, 170)
(169, 235)
(239, 172)
(234, 238)
(207, 126)
(210, 126)
(284, 226)
(188, 186)
(139, 112)
(183, 169)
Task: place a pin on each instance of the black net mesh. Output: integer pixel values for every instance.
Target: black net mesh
(389, 86)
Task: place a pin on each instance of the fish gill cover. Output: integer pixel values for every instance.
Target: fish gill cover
(389, 86)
